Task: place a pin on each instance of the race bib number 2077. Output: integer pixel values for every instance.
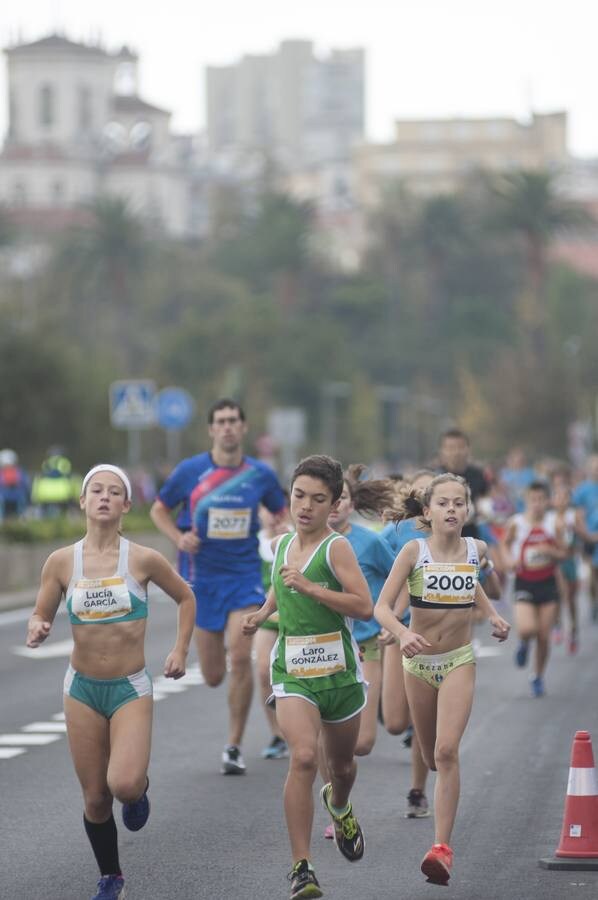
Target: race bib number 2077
(229, 524)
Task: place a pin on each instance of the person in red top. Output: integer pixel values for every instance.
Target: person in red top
(533, 545)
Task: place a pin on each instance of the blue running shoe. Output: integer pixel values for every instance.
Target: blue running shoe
(276, 749)
(537, 685)
(110, 887)
(521, 654)
(136, 814)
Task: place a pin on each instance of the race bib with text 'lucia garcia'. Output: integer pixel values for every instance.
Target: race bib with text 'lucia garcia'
(314, 655)
(101, 599)
(449, 583)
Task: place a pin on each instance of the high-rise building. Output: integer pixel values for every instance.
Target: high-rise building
(292, 106)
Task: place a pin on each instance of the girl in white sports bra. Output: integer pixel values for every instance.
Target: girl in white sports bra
(107, 691)
(442, 574)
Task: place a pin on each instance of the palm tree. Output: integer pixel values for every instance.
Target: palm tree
(528, 205)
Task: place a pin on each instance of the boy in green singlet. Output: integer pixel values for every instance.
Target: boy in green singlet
(317, 681)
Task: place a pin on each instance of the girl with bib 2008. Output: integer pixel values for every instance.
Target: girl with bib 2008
(441, 572)
(107, 690)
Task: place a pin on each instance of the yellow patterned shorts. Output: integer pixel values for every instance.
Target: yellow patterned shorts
(433, 669)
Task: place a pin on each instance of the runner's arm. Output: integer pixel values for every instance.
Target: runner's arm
(559, 549)
(507, 541)
(161, 516)
(161, 573)
(391, 592)
(500, 627)
(48, 600)
(252, 621)
(402, 604)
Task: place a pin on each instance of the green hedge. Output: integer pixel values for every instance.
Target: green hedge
(33, 531)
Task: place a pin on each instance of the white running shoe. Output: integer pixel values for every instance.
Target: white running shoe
(232, 761)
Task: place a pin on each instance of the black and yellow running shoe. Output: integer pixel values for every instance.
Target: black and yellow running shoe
(304, 883)
(347, 830)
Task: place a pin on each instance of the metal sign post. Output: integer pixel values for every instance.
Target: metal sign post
(132, 410)
(174, 408)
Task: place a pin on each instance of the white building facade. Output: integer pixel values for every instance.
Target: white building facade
(78, 129)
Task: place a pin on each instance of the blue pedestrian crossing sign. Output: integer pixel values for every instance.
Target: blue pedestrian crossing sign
(132, 404)
(174, 407)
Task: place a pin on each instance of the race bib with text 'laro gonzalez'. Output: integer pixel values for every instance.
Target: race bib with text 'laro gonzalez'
(314, 655)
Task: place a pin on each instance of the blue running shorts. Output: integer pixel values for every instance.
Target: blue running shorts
(218, 596)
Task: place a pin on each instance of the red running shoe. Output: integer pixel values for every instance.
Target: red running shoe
(436, 864)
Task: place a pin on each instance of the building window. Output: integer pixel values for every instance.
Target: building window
(85, 110)
(46, 105)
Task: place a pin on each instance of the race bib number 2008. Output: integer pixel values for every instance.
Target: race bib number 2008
(229, 524)
(449, 583)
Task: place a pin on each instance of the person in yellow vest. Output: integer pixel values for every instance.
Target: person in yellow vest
(55, 488)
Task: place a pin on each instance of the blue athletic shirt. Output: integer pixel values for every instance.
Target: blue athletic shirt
(592, 525)
(516, 481)
(375, 559)
(397, 534)
(585, 496)
(220, 504)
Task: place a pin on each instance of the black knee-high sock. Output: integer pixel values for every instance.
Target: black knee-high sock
(104, 843)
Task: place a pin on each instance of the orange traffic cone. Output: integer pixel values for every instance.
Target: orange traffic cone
(578, 846)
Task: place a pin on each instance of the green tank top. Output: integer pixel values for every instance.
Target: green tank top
(315, 643)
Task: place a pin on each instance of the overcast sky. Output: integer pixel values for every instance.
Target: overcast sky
(425, 58)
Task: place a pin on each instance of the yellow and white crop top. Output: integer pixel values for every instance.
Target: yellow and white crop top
(116, 598)
(439, 585)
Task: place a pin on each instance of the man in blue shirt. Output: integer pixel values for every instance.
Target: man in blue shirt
(218, 494)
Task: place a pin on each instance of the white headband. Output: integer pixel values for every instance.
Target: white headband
(106, 467)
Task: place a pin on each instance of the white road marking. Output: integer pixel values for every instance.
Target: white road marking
(46, 651)
(193, 676)
(11, 616)
(29, 740)
(167, 686)
(46, 727)
(488, 651)
(14, 615)
(40, 733)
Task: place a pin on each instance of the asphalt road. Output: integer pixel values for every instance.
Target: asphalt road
(211, 837)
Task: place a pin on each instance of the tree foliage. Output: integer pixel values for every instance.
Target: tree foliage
(440, 307)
